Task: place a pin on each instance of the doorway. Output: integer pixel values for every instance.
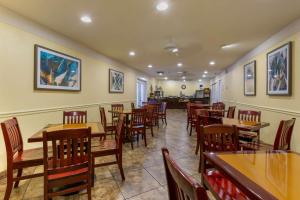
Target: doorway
(141, 92)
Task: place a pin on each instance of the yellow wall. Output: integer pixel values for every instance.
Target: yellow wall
(274, 108)
(35, 109)
(173, 88)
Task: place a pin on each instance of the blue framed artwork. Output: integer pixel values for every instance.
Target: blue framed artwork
(116, 81)
(56, 71)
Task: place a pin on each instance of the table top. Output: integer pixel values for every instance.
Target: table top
(245, 125)
(97, 130)
(125, 111)
(270, 175)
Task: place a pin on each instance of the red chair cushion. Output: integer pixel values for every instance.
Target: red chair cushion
(223, 187)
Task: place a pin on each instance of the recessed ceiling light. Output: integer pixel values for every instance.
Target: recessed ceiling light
(160, 73)
(175, 50)
(205, 72)
(162, 6)
(183, 77)
(131, 53)
(150, 66)
(212, 63)
(183, 80)
(200, 80)
(203, 75)
(179, 64)
(229, 46)
(166, 78)
(86, 19)
(179, 72)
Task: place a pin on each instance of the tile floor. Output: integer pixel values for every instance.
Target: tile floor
(143, 167)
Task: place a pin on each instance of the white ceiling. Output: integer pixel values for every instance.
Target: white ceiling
(197, 27)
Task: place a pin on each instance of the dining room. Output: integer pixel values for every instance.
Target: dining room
(152, 100)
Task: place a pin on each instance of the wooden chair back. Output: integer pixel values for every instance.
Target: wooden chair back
(12, 138)
(180, 185)
(231, 112)
(284, 135)
(132, 105)
(138, 117)
(116, 107)
(120, 133)
(218, 137)
(75, 117)
(218, 106)
(67, 160)
(103, 117)
(249, 115)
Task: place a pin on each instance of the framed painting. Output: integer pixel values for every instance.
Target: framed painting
(279, 71)
(54, 70)
(116, 81)
(250, 79)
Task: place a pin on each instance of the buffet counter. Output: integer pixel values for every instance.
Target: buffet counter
(179, 103)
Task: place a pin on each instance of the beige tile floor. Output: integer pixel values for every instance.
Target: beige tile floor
(143, 167)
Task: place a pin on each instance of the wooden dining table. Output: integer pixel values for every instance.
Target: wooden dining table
(245, 125)
(260, 175)
(96, 129)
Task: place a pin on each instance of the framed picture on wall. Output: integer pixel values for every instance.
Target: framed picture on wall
(279, 70)
(54, 70)
(116, 81)
(250, 79)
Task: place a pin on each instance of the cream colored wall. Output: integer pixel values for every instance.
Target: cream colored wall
(274, 108)
(173, 88)
(35, 109)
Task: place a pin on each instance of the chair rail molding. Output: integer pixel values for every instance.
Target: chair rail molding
(294, 113)
(56, 109)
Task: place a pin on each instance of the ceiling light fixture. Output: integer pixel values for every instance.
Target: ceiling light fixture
(160, 73)
(131, 53)
(184, 80)
(179, 72)
(150, 66)
(175, 50)
(183, 77)
(200, 80)
(162, 6)
(166, 78)
(86, 19)
(205, 72)
(203, 75)
(212, 62)
(179, 64)
(228, 46)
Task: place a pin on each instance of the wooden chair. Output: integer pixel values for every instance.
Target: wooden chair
(163, 112)
(249, 115)
(105, 147)
(67, 166)
(114, 115)
(17, 157)
(150, 121)
(282, 140)
(215, 138)
(231, 112)
(132, 105)
(193, 117)
(108, 127)
(74, 117)
(156, 113)
(180, 185)
(137, 125)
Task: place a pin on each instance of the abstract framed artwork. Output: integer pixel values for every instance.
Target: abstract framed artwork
(116, 81)
(279, 71)
(54, 70)
(250, 79)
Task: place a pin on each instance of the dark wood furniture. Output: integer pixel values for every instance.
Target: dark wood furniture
(97, 130)
(74, 117)
(244, 125)
(260, 175)
(67, 162)
(231, 112)
(104, 147)
(218, 138)
(137, 125)
(132, 105)
(156, 109)
(116, 109)
(150, 120)
(203, 119)
(282, 140)
(180, 185)
(108, 127)
(163, 112)
(251, 116)
(17, 157)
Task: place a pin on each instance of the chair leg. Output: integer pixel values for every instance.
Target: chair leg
(131, 141)
(152, 131)
(166, 120)
(93, 172)
(191, 129)
(19, 174)
(197, 147)
(119, 161)
(144, 133)
(89, 192)
(9, 185)
(187, 125)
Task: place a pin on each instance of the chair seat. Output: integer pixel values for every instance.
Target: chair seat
(30, 157)
(137, 127)
(223, 187)
(68, 174)
(104, 146)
